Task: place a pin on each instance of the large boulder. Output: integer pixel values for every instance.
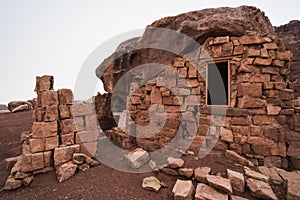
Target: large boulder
(199, 25)
(18, 106)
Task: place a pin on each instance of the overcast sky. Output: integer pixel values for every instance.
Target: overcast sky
(55, 37)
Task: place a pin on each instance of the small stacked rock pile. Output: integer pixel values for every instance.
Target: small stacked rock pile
(55, 141)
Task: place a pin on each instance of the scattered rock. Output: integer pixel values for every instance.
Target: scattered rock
(189, 152)
(272, 174)
(21, 175)
(79, 158)
(137, 158)
(237, 180)
(151, 183)
(233, 197)
(175, 163)
(91, 162)
(153, 165)
(293, 183)
(66, 171)
(169, 171)
(187, 172)
(201, 173)
(83, 167)
(183, 190)
(28, 180)
(256, 175)
(205, 192)
(237, 158)
(260, 189)
(12, 184)
(163, 184)
(220, 183)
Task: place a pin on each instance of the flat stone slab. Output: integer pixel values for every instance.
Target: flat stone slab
(220, 183)
(293, 183)
(137, 158)
(183, 190)
(237, 180)
(151, 183)
(271, 172)
(206, 192)
(255, 175)
(260, 189)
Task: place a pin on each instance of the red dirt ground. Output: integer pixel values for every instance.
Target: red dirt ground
(99, 182)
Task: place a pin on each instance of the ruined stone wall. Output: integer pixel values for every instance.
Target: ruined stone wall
(61, 128)
(261, 121)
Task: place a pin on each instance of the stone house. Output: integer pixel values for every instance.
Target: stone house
(254, 113)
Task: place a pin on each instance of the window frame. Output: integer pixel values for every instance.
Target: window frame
(228, 78)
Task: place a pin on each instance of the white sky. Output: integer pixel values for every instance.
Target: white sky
(55, 37)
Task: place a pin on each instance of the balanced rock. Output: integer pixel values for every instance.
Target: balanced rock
(137, 158)
(237, 180)
(151, 183)
(183, 190)
(220, 183)
(260, 189)
(66, 171)
(205, 192)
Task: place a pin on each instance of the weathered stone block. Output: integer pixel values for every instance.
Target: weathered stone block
(272, 45)
(47, 158)
(51, 113)
(278, 63)
(65, 96)
(250, 102)
(67, 126)
(65, 154)
(51, 143)
(67, 139)
(44, 129)
(253, 78)
(37, 161)
(227, 49)
(263, 61)
(273, 110)
(216, 51)
(251, 89)
(65, 112)
(238, 50)
(250, 39)
(183, 190)
(221, 40)
(91, 122)
(44, 83)
(81, 109)
(49, 98)
(284, 55)
(37, 145)
(253, 52)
